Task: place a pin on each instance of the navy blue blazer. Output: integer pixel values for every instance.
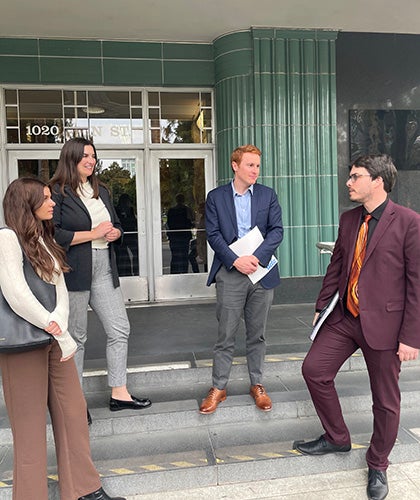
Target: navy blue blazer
(222, 228)
(71, 215)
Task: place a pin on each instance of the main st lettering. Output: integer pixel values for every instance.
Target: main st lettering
(113, 130)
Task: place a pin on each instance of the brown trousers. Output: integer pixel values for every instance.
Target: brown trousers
(33, 382)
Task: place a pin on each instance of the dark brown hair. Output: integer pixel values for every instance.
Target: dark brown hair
(380, 165)
(23, 197)
(67, 174)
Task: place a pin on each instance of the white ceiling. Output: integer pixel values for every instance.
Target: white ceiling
(198, 21)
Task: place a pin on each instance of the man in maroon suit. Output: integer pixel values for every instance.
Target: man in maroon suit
(384, 324)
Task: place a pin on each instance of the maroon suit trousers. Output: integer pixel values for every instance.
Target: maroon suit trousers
(334, 344)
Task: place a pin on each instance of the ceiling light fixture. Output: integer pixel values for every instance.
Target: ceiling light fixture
(94, 110)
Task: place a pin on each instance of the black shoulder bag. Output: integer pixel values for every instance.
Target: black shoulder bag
(17, 334)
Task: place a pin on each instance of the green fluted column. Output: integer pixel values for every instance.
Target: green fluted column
(276, 89)
(234, 95)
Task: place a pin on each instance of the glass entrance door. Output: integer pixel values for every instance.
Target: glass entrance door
(123, 173)
(180, 251)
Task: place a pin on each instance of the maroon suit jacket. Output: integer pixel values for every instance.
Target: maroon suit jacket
(389, 283)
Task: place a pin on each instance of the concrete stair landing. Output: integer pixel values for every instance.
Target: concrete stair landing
(170, 446)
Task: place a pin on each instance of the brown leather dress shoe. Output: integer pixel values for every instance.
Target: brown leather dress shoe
(214, 397)
(262, 399)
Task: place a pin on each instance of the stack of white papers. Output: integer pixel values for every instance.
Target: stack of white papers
(247, 246)
(323, 315)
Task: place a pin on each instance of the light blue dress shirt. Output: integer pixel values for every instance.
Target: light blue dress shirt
(243, 210)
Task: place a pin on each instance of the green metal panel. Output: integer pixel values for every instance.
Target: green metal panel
(291, 91)
(263, 33)
(309, 57)
(77, 48)
(234, 95)
(132, 72)
(233, 64)
(203, 52)
(71, 70)
(231, 43)
(194, 72)
(132, 50)
(94, 62)
(19, 69)
(18, 46)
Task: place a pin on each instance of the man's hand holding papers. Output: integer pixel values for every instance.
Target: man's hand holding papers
(247, 263)
(323, 315)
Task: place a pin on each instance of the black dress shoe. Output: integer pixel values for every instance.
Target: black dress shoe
(377, 487)
(89, 418)
(134, 404)
(100, 495)
(321, 447)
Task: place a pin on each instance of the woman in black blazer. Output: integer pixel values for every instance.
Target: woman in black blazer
(87, 226)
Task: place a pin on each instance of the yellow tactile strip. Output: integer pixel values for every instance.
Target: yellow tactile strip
(265, 451)
(197, 458)
(269, 358)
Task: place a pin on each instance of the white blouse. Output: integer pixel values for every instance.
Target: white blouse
(20, 298)
(97, 211)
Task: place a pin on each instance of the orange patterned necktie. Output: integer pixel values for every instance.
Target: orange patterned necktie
(358, 257)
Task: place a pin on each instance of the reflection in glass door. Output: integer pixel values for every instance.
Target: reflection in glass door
(119, 175)
(122, 173)
(182, 191)
(179, 235)
(42, 168)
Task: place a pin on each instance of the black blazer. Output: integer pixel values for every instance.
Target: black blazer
(71, 215)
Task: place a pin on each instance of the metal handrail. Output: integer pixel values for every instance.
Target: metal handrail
(326, 246)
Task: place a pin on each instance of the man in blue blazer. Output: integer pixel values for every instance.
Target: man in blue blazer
(232, 211)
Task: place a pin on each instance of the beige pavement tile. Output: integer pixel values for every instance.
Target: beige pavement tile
(416, 482)
(296, 487)
(403, 489)
(356, 493)
(409, 469)
(404, 482)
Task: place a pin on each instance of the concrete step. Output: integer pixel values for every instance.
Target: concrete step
(183, 373)
(176, 407)
(220, 453)
(170, 446)
(190, 373)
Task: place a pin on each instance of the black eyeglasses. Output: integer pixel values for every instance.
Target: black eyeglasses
(354, 177)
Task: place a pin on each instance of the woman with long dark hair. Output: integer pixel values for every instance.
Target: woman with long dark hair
(87, 227)
(45, 377)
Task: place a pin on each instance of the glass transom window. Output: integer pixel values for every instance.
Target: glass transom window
(53, 116)
(180, 117)
(116, 117)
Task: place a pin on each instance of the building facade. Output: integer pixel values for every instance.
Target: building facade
(165, 117)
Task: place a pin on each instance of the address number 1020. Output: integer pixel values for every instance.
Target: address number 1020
(42, 130)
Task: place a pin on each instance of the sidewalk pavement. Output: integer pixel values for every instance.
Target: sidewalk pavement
(166, 333)
(403, 479)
